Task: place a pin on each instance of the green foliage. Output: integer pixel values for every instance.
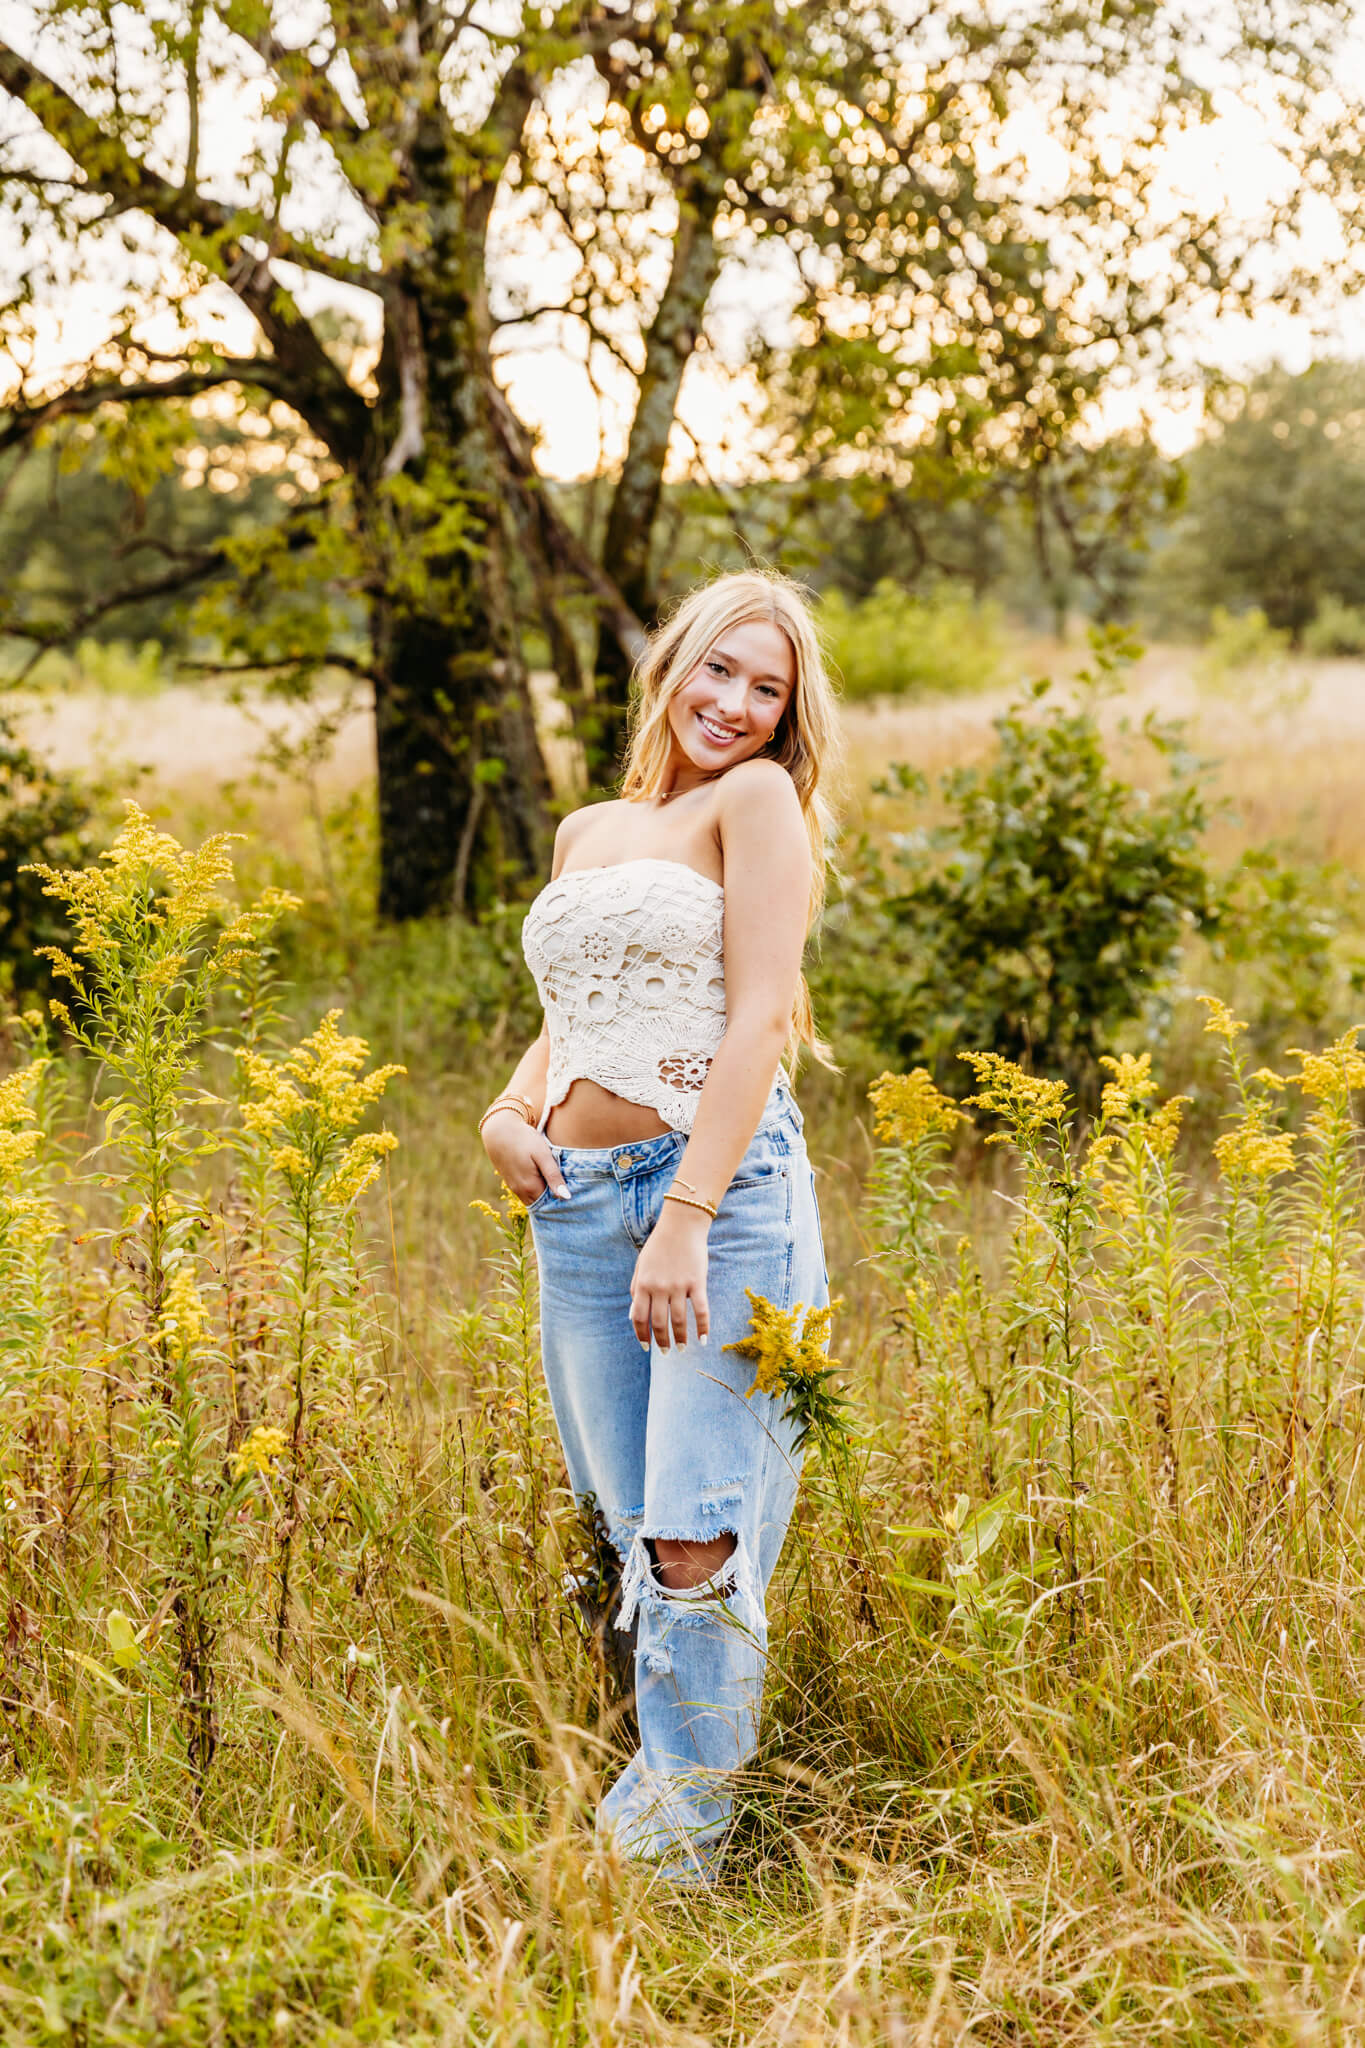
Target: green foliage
(1337, 628)
(1041, 915)
(1275, 515)
(117, 668)
(45, 815)
(78, 516)
(893, 644)
(1249, 661)
(1238, 641)
(458, 987)
(1295, 925)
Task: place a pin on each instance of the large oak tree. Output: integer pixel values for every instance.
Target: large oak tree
(935, 237)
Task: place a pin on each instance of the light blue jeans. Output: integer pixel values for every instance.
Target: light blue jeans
(671, 1445)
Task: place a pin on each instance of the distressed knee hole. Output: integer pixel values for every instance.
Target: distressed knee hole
(698, 1569)
(732, 1592)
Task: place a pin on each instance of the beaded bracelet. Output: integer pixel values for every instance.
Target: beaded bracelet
(523, 1108)
(688, 1203)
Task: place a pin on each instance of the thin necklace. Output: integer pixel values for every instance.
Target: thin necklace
(667, 795)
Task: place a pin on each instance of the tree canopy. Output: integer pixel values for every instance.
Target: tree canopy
(921, 243)
(1275, 515)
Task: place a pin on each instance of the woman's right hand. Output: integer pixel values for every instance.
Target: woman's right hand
(522, 1156)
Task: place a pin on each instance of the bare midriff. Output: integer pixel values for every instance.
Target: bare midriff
(591, 1116)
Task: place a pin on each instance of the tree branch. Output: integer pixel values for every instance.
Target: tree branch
(194, 569)
(319, 101)
(318, 391)
(669, 345)
(617, 616)
(25, 421)
(350, 663)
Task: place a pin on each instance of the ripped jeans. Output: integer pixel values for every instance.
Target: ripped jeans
(671, 1446)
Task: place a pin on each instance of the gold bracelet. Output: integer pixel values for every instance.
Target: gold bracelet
(679, 1182)
(523, 1108)
(510, 1095)
(689, 1203)
(507, 1102)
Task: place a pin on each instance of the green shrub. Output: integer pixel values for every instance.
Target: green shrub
(117, 668)
(1338, 629)
(1238, 641)
(1247, 658)
(44, 816)
(893, 644)
(1039, 918)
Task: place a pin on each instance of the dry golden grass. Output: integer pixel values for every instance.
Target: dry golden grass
(1288, 750)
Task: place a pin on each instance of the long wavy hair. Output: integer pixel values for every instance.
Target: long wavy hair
(806, 739)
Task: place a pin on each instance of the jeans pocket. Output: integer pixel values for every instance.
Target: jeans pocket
(757, 1173)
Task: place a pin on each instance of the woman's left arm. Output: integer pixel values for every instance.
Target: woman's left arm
(767, 866)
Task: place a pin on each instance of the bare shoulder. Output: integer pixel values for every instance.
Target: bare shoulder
(574, 825)
(758, 793)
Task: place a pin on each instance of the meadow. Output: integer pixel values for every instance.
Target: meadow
(1063, 1738)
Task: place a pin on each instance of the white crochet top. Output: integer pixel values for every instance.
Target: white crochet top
(630, 964)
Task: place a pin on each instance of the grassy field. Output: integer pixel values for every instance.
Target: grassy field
(1064, 1739)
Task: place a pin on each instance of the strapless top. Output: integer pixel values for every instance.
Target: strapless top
(630, 964)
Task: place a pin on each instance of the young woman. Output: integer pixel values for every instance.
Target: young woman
(653, 1135)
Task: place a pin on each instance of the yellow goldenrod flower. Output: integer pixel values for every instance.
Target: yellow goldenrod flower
(771, 1344)
(1101, 1152)
(1251, 1151)
(785, 1350)
(118, 920)
(289, 1161)
(307, 1100)
(1163, 1126)
(182, 1310)
(1133, 1082)
(1220, 1021)
(1333, 1074)
(1026, 1101)
(908, 1108)
(1117, 1199)
(20, 1136)
(360, 1162)
(260, 1452)
(512, 1210)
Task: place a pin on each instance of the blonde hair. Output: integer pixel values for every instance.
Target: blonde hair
(807, 736)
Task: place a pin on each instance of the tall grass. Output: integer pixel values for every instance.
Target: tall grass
(1062, 1739)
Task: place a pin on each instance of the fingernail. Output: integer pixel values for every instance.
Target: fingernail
(703, 1342)
(562, 1190)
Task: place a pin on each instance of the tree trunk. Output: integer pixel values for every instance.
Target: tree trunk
(463, 791)
(635, 503)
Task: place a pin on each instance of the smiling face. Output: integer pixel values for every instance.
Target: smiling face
(732, 703)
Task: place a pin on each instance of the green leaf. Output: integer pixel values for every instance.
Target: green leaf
(123, 1643)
